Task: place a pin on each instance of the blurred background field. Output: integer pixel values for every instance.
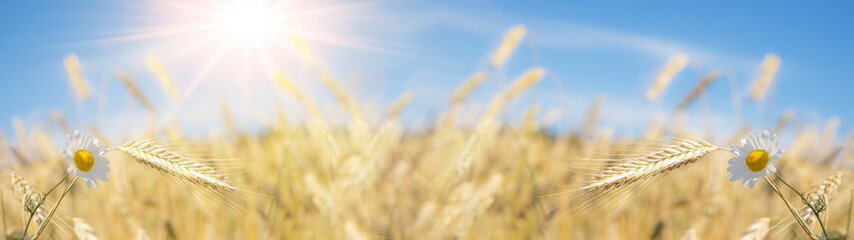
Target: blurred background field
(423, 120)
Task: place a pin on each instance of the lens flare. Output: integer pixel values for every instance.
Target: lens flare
(248, 20)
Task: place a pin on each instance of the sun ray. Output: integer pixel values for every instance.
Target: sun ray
(153, 33)
(194, 47)
(244, 35)
(332, 9)
(198, 79)
(191, 8)
(262, 52)
(352, 42)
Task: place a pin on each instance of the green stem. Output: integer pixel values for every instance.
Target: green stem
(57, 184)
(3, 207)
(53, 210)
(848, 224)
(806, 202)
(787, 184)
(41, 202)
(791, 209)
(818, 218)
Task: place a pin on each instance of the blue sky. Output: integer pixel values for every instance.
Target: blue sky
(380, 49)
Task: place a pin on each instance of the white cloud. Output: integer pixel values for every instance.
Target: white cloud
(562, 34)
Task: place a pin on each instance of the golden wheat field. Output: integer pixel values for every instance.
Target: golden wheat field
(483, 168)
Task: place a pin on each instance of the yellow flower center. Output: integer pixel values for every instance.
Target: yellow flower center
(84, 161)
(757, 160)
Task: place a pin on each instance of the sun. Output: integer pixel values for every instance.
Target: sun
(231, 45)
(249, 20)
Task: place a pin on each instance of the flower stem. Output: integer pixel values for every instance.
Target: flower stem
(57, 184)
(53, 210)
(41, 202)
(3, 211)
(787, 184)
(792, 210)
(848, 224)
(818, 218)
(806, 202)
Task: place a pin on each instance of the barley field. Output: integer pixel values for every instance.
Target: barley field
(342, 168)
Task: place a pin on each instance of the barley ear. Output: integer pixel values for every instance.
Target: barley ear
(83, 231)
(826, 190)
(75, 75)
(650, 166)
(175, 165)
(766, 76)
(757, 231)
(673, 67)
(509, 43)
(398, 105)
(162, 75)
(698, 90)
(304, 52)
(24, 192)
(135, 91)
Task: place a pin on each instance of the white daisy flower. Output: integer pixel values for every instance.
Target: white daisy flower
(87, 158)
(753, 160)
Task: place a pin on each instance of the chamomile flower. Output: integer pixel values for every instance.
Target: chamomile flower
(754, 158)
(87, 158)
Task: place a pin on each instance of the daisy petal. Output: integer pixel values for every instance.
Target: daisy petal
(756, 141)
(90, 167)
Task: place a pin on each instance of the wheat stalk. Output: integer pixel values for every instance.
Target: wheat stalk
(525, 81)
(141, 235)
(359, 128)
(593, 114)
(176, 165)
(465, 204)
(652, 165)
(225, 111)
(24, 192)
(469, 85)
(849, 144)
(828, 134)
(162, 75)
(321, 196)
(318, 123)
(306, 100)
(460, 95)
(472, 145)
(303, 50)
(75, 75)
(829, 185)
(673, 66)
(509, 43)
(20, 129)
(784, 120)
(698, 90)
(766, 76)
(344, 98)
(488, 119)
(60, 120)
(83, 231)
(522, 83)
(134, 90)
(426, 214)
(4, 144)
(398, 105)
(353, 231)
(825, 190)
(757, 231)
(691, 234)
(550, 117)
(528, 122)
